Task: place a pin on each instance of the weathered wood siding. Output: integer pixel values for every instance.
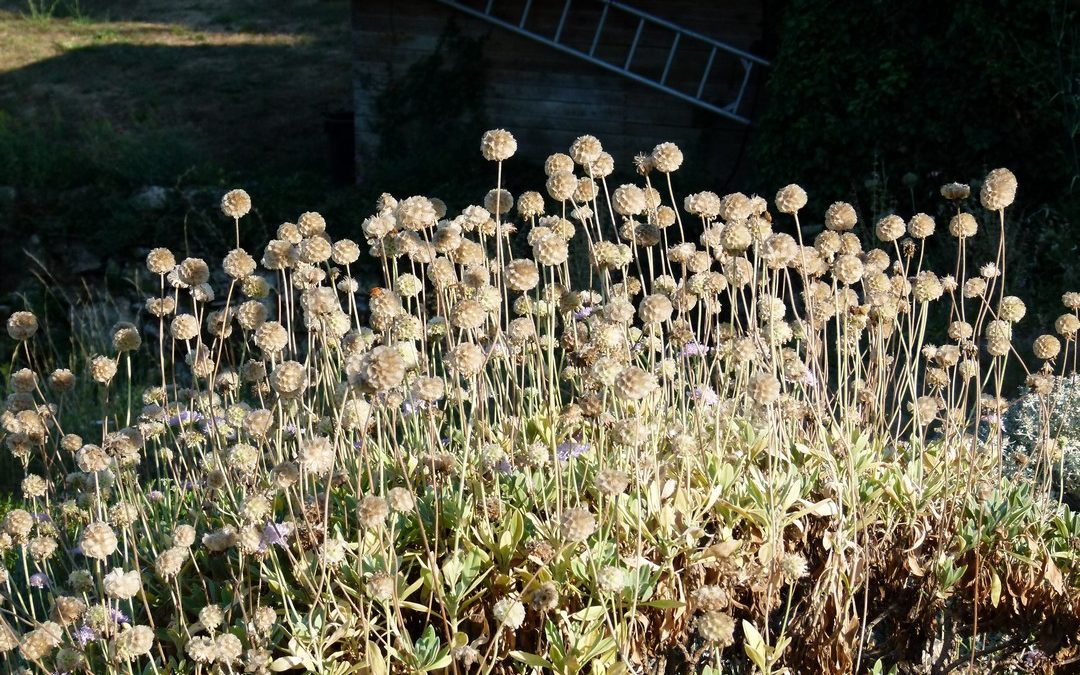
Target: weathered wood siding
(548, 98)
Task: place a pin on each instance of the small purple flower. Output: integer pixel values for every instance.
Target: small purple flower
(276, 534)
(694, 348)
(569, 450)
(504, 466)
(1032, 658)
(39, 580)
(84, 634)
(185, 417)
(118, 617)
(583, 313)
(155, 496)
(705, 395)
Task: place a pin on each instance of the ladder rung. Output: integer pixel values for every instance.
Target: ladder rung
(705, 75)
(599, 29)
(670, 58)
(562, 20)
(730, 109)
(634, 44)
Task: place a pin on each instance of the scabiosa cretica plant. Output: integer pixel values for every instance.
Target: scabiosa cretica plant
(565, 418)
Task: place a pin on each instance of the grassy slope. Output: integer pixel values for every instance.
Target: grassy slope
(249, 79)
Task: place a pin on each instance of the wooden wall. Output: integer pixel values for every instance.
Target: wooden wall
(547, 98)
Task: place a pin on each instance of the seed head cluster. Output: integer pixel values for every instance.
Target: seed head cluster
(461, 435)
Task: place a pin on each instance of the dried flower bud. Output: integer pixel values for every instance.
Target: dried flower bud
(236, 204)
(497, 145)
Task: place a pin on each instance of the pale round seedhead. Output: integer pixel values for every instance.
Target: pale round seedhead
(920, 226)
(998, 190)
(585, 150)
(955, 191)
(790, 199)
(666, 157)
(21, 326)
(1046, 347)
(160, 261)
(497, 145)
(840, 217)
(963, 225)
(236, 204)
(890, 228)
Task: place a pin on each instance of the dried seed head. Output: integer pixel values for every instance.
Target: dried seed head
(577, 524)
(497, 145)
(125, 337)
(102, 369)
(1067, 326)
(666, 157)
(890, 228)
(235, 204)
(998, 190)
(735, 237)
(735, 206)
(509, 613)
(271, 337)
(848, 269)
(160, 261)
(927, 287)
(955, 191)
(466, 359)
(1046, 347)
(603, 166)
(634, 384)
(561, 185)
(710, 598)
(840, 217)
(551, 250)
(717, 628)
(193, 272)
(530, 204)
(1011, 309)
(920, 226)
(655, 309)
(963, 225)
(372, 511)
(238, 264)
(22, 325)
(379, 370)
(521, 275)
(558, 162)
(794, 567)
(705, 205)
(628, 200)
(764, 389)
(611, 482)
(585, 150)
(97, 541)
(309, 224)
(289, 379)
(314, 250)
(790, 199)
(610, 579)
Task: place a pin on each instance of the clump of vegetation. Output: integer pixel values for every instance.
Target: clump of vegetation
(737, 454)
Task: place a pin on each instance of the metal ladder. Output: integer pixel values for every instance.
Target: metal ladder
(680, 35)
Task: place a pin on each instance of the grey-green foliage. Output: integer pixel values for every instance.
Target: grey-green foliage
(1023, 424)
